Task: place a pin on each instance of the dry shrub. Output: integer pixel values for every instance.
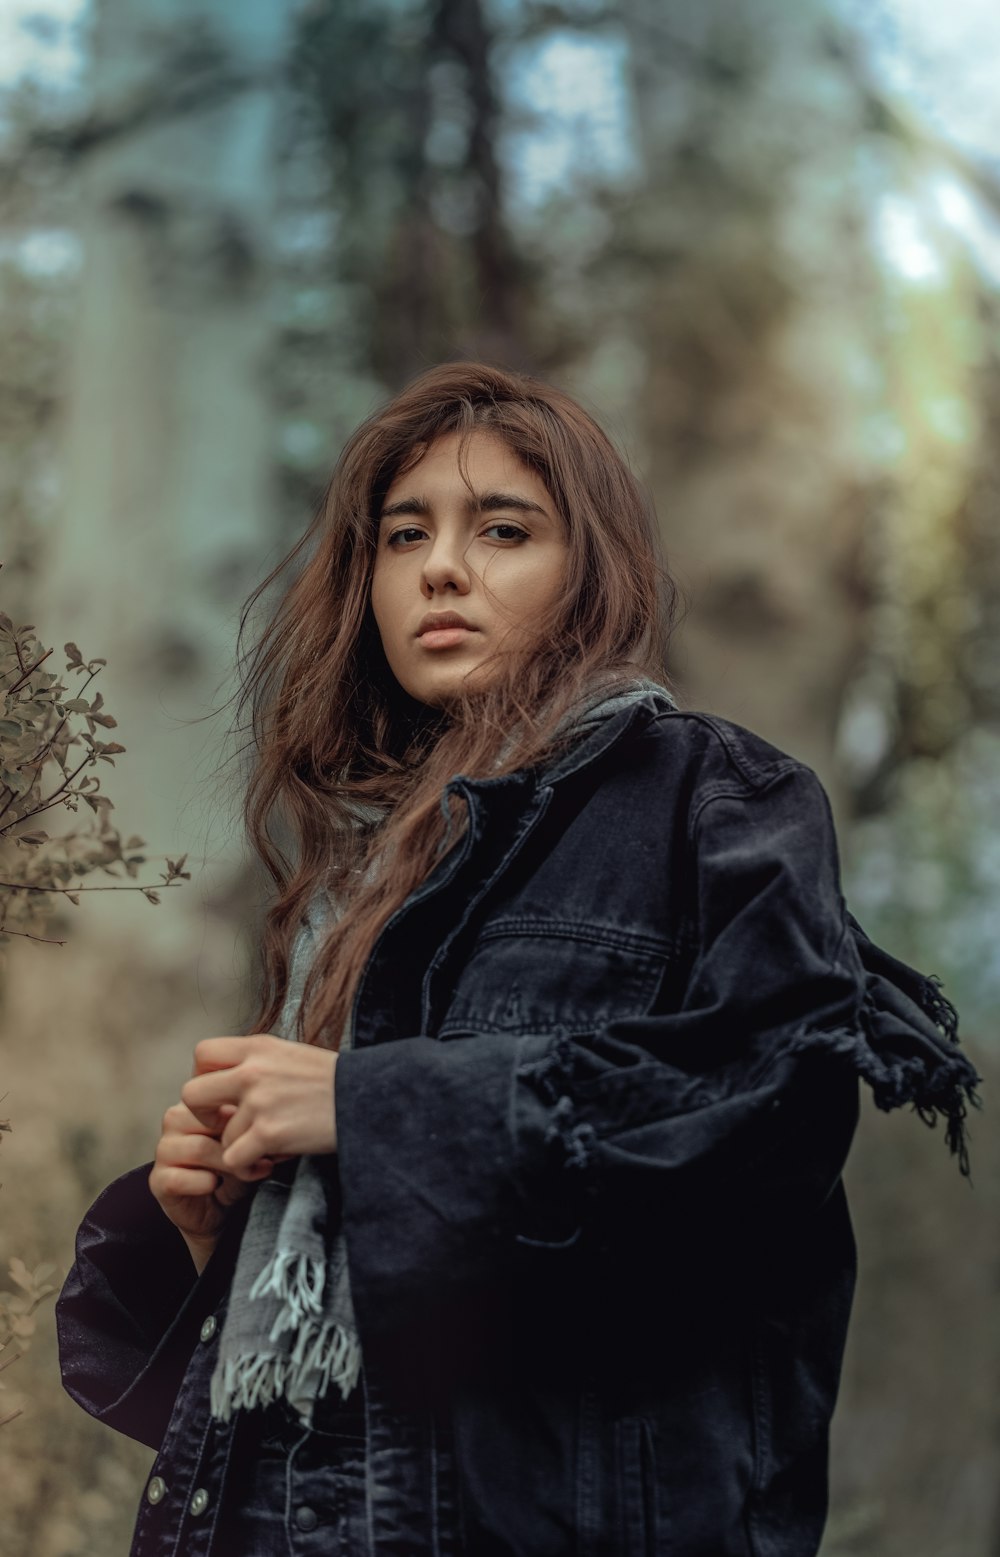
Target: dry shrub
(100, 1048)
(70, 1485)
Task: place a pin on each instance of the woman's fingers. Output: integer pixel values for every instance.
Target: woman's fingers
(223, 1053)
(189, 1179)
(191, 1163)
(178, 1180)
(187, 1142)
(244, 1148)
(211, 1099)
(222, 1069)
(179, 1119)
(209, 1090)
(193, 1148)
(265, 1099)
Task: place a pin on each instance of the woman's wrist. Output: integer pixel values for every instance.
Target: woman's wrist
(200, 1248)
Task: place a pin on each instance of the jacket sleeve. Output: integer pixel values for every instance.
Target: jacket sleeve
(740, 1104)
(129, 1311)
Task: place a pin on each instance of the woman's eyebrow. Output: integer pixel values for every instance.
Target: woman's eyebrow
(479, 503)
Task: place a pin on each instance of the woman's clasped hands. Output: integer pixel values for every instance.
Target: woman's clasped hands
(265, 1097)
(249, 1103)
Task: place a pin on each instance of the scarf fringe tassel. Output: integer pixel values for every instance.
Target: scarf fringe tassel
(297, 1281)
(324, 1351)
(324, 1354)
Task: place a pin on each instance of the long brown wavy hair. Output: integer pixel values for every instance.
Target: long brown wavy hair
(334, 736)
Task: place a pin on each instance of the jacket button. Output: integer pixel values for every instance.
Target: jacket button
(156, 1490)
(306, 1518)
(199, 1501)
(208, 1328)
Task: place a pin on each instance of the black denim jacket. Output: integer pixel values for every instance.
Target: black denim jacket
(591, 1133)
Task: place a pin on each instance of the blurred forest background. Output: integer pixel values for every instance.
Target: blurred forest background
(762, 244)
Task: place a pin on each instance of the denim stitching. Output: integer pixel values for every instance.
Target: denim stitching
(755, 774)
(574, 930)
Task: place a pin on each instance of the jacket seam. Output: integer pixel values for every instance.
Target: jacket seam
(760, 1406)
(574, 930)
(722, 791)
(224, 1477)
(199, 1460)
(757, 777)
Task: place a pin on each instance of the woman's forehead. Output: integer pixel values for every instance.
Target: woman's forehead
(464, 449)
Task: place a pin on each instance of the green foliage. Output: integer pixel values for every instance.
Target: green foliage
(36, 743)
(39, 771)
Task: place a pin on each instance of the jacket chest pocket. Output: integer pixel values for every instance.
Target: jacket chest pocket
(540, 976)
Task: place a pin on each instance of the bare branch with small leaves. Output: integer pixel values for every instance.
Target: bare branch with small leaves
(17, 1313)
(37, 869)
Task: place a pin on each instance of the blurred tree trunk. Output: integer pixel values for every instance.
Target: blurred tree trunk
(409, 107)
(754, 310)
(169, 431)
(461, 32)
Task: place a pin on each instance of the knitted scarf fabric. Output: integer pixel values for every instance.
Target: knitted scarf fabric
(289, 1328)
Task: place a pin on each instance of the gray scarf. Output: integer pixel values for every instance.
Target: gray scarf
(289, 1328)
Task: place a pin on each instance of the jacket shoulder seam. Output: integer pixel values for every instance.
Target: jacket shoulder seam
(724, 791)
(757, 777)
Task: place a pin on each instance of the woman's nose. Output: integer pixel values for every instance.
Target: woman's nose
(445, 566)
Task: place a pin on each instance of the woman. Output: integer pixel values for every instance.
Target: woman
(534, 1240)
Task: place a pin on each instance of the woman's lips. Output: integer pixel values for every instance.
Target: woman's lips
(444, 637)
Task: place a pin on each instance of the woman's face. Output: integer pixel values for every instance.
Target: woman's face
(493, 557)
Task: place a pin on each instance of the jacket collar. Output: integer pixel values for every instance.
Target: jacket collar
(604, 721)
(601, 720)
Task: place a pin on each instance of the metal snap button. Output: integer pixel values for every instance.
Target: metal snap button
(157, 1490)
(208, 1328)
(306, 1518)
(199, 1501)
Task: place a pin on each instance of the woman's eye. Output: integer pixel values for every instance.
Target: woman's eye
(410, 533)
(515, 533)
